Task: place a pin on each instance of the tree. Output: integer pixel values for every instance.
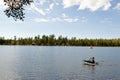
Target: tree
(15, 8)
(2, 40)
(51, 40)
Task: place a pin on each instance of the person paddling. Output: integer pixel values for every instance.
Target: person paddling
(91, 60)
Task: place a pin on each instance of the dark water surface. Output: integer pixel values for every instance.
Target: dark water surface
(58, 63)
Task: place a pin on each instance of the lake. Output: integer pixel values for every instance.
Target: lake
(58, 63)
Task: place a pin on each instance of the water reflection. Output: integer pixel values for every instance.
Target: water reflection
(8, 61)
(57, 63)
(90, 68)
(37, 65)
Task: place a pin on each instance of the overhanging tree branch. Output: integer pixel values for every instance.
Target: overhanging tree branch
(15, 8)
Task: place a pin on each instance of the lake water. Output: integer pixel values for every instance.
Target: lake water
(58, 63)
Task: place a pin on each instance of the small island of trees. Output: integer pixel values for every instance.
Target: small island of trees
(51, 40)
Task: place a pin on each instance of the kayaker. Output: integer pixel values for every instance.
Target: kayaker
(92, 60)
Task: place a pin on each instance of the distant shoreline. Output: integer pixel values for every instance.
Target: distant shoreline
(60, 46)
(51, 40)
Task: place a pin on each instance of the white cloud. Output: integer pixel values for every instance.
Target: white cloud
(71, 19)
(42, 1)
(64, 18)
(56, 19)
(68, 19)
(51, 6)
(93, 5)
(117, 7)
(41, 20)
(47, 19)
(37, 9)
(69, 3)
(64, 15)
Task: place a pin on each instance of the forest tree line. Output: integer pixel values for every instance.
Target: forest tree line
(51, 40)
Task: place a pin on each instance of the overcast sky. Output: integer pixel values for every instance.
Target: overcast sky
(71, 18)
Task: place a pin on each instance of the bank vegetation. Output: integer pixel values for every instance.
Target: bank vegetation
(51, 40)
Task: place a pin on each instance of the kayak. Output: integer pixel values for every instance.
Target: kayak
(90, 63)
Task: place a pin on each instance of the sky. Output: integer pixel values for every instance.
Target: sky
(69, 18)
